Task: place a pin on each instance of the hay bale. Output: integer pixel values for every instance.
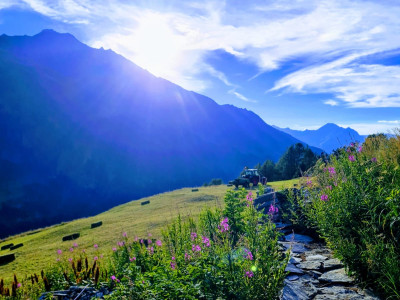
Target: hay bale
(5, 259)
(195, 190)
(16, 246)
(145, 202)
(71, 237)
(97, 224)
(8, 246)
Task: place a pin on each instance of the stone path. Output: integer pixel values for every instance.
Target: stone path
(313, 271)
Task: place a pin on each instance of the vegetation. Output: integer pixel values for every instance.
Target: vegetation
(214, 181)
(229, 253)
(293, 163)
(354, 204)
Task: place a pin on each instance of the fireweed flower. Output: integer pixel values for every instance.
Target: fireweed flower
(120, 244)
(75, 245)
(360, 149)
(187, 256)
(193, 236)
(95, 246)
(70, 259)
(158, 243)
(135, 239)
(59, 251)
(352, 158)
(124, 234)
(173, 265)
(206, 241)
(131, 259)
(273, 209)
(141, 241)
(248, 255)
(71, 249)
(224, 226)
(19, 285)
(351, 144)
(149, 241)
(150, 235)
(331, 170)
(114, 249)
(113, 278)
(249, 198)
(249, 274)
(329, 187)
(196, 248)
(373, 159)
(309, 182)
(151, 250)
(324, 197)
(95, 258)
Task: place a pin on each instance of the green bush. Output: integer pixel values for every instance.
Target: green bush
(229, 254)
(354, 204)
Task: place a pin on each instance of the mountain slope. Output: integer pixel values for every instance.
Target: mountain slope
(85, 129)
(329, 137)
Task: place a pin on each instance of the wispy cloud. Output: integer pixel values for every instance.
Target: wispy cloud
(171, 41)
(389, 122)
(240, 96)
(331, 102)
(371, 128)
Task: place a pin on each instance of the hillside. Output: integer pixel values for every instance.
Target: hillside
(85, 129)
(328, 138)
(40, 247)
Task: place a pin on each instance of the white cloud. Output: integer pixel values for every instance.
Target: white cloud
(240, 96)
(371, 128)
(331, 102)
(171, 41)
(390, 122)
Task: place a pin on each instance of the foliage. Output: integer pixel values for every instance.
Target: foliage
(354, 203)
(293, 163)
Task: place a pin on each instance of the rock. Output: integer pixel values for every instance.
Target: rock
(310, 265)
(298, 238)
(332, 264)
(316, 257)
(264, 198)
(295, 247)
(293, 269)
(292, 277)
(315, 274)
(337, 292)
(336, 276)
(294, 260)
(300, 289)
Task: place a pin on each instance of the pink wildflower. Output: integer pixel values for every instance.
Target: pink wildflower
(95, 258)
(124, 234)
(150, 235)
(114, 249)
(75, 245)
(360, 149)
(19, 285)
(187, 256)
(352, 158)
(196, 248)
(158, 243)
(224, 226)
(151, 250)
(173, 265)
(273, 210)
(71, 249)
(113, 278)
(59, 251)
(141, 241)
(249, 274)
(373, 159)
(149, 241)
(206, 241)
(135, 239)
(132, 259)
(248, 255)
(57, 259)
(173, 257)
(309, 182)
(324, 197)
(95, 246)
(70, 259)
(329, 187)
(120, 244)
(83, 250)
(193, 236)
(331, 170)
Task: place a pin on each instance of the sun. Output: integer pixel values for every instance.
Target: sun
(156, 46)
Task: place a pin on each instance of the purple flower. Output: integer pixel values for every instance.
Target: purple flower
(193, 236)
(70, 259)
(101, 255)
(150, 235)
(324, 197)
(309, 182)
(352, 158)
(57, 259)
(248, 255)
(273, 210)
(360, 149)
(19, 285)
(249, 197)
(71, 249)
(141, 241)
(187, 256)
(95, 258)
(120, 244)
(249, 274)
(113, 278)
(149, 241)
(114, 249)
(331, 170)
(158, 243)
(224, 226)
(373, 159)
(329, 187)
(135, 239)
(351, 144)
(59, 251)
(124, 234)
(83, 250)
(196, 248)
(95, 246)
(206, 241)
(173, 257)
(151, 250)
(75, 245)
(173, 265)
(132, 259)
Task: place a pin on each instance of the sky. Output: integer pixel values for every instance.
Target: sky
(295, 63)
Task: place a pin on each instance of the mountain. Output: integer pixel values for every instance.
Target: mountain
(329, 137)
(85, 129)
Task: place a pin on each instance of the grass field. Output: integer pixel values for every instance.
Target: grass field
(40, 246)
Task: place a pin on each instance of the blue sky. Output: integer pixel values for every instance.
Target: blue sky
(297, 64)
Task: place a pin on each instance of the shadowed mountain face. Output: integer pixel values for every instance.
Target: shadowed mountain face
(329, 137)
(85, 129)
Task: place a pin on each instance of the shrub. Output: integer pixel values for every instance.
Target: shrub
(355, 205)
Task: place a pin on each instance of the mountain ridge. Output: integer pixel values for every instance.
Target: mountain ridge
(85, 129)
